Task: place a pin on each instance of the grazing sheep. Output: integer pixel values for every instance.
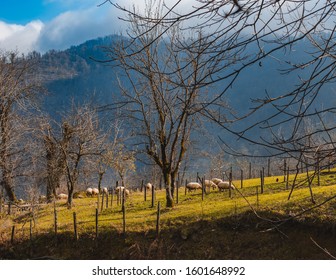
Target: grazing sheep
(210, 184)
(149, 186)
(89, 191)
(95, 191)
(42, 199)
(20, 201)
(192, 186)
(225, 185)
(216, 180)
(120, 189)
(62, 196)
(105, 190)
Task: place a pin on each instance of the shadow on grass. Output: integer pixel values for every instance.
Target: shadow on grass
(237, 237)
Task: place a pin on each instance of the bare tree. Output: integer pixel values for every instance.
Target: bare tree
(19, 89)
(55, 162)
(115, 156)
(79, 140)
(266, 27)
(164, 100)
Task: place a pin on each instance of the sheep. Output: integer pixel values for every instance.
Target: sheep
(62, 196)
(105, 190)
(120, 189)
(193, 186)
(225, 185)
(149, 186)
(42, 199)
(216, 180)
(95, 191)
(210, 184)
(20, 201)
(89, 191)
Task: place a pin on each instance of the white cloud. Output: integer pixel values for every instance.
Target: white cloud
(75, 27)
(22, 38)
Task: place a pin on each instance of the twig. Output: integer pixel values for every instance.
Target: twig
(323, 249)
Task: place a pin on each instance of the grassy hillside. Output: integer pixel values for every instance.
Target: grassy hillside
(245, 226)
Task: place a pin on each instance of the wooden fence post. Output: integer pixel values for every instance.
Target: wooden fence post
(30, 230)
(230, 183)
(285, 170)
(177, 191)
(318, 169)
(145, 193)
(185, 188)
(112, 194)
(158, 219)
(122, 196)
(12, 235)
(55, 219)
(98, 201)
(257, 194)
(118, 193)
(124, 220)
(107, 200)
(287, 180)
(96, 223)
(202, 183)
(75, 225)
(263, 175)
(102, 203)
(261, 182)
(250, 170)
(153, 195)
(241, 178)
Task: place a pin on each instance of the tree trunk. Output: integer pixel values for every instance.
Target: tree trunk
(7, 185)
(173, 182)
(168, 186)
(71, 184)
(100, 179)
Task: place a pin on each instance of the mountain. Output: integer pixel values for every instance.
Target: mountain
(78, 74)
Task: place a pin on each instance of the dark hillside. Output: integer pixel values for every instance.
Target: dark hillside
(77, 74)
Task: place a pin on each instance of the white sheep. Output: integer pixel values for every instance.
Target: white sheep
(95, 191)
(20, 201)
(210, 184)
(105, 190)
(120, 189)
(225, 185)
(192, 186)
(216, 180)
(89, 191)
(42, 199)
(149, 186)
(62, 196)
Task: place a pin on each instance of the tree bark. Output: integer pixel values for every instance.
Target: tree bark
(168, 186)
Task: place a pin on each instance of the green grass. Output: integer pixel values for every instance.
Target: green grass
(180, 224)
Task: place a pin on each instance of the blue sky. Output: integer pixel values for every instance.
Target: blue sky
(22, 12)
